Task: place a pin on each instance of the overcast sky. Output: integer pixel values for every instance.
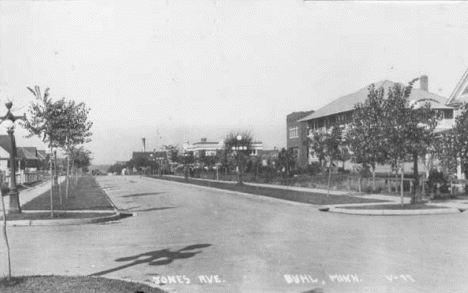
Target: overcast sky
(180, 70)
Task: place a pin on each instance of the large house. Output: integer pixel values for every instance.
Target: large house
(340, 110)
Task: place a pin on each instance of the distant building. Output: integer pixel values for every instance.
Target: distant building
(296, 133)
(210, 148)
(269, 157)
(29, 158)
(159, 157)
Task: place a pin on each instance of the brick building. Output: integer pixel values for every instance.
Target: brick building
(296, 134)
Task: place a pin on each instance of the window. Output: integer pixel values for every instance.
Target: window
(210, 153)
(448, 114)
(294, 132)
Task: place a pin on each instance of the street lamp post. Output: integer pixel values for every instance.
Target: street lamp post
(9, 122)
(238, 148)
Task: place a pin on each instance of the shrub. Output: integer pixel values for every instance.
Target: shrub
(342, 170)
(314, 169)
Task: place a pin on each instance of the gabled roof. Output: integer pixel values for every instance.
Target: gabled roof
(28, 153)
(347, 103)
(460, 93)
(5, 143)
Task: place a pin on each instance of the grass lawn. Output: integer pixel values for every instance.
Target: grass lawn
(419, 206)
(57, 215)
(291, 195)
(54, 284)
(86, 195)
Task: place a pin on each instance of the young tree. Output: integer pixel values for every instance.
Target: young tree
(81, 159)
(286, 160)
(366, 134)
(173, 153)
(75, 131)
(238, 146)
(408, 128)
(390, 130)
(328, 145)
(316, 143)
(46, 119)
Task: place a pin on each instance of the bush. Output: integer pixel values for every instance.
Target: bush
(437, 182)
(342, 170)
(314, 169)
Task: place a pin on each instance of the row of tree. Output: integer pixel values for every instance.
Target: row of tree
(388, 128)
(61, 124)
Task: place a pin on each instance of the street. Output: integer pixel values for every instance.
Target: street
(195, 239)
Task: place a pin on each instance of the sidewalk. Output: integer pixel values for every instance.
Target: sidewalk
(31, 193)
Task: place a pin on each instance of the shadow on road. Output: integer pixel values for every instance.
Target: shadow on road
(142, 194)
(156, 258)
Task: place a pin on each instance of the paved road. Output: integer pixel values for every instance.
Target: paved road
(222, 242)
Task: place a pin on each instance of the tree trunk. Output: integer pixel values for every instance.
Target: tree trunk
(416, 177)
(67, 180)
(73, 171)
(329, 179)
(56, 177)
(373, 178)
(5, 236)
(51, 186)
(401, 185)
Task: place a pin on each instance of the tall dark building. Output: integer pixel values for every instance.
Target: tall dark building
(296, 134)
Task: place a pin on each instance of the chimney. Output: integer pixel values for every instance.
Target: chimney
(424, 83)
(203, 139)
(144, 144)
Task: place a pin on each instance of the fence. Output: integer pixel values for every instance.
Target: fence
(23, 177)
(390, 184)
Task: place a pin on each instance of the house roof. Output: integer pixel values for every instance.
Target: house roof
(460, 93)
(205, 142)
(28, 153)
(347, 103)
(5, 143)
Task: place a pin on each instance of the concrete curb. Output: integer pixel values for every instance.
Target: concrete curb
(392, 212)
(63, 222)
